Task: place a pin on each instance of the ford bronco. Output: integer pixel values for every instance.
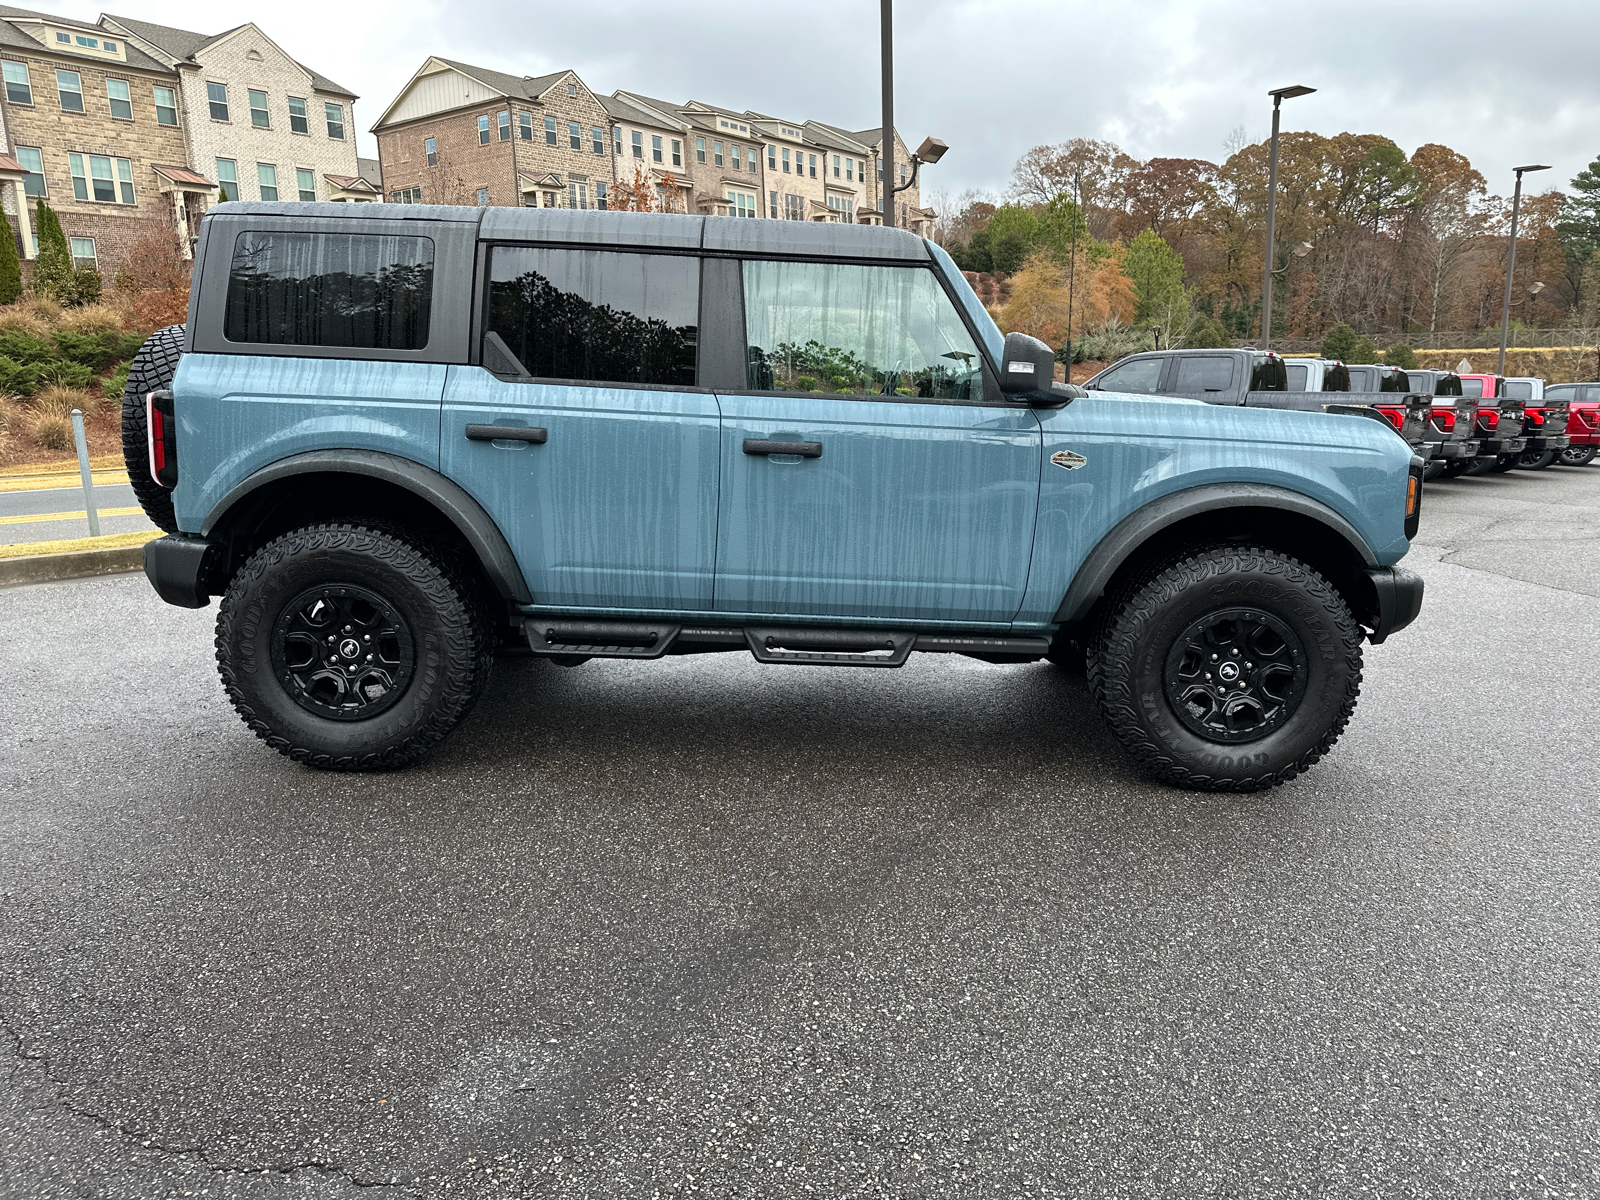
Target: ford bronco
(395, 438)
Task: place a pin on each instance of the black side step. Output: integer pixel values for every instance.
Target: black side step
(598, 639)
(831, 647)
(989, 649)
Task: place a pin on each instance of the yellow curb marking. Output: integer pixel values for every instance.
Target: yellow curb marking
(34, 518)
(97, 462)
(109, 542)
(46, 483)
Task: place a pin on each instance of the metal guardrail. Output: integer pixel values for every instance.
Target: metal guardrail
(1449, 339)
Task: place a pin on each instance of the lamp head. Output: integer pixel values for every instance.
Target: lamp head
(1535, 288)
(931, 150)
(1289, 93)
(1303, 249)
(1532, 167)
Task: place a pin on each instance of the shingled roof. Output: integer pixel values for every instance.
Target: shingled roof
(184, 44)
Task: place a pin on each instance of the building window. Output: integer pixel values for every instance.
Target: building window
(549, 131)
(217, 99)
(334, 115)
(306, 183)
(577, 195)
(772, 158)
(598, 137)
(298, 123)
(716, 153)
(655, 148)
(772, 203)
(82, 253)
(121, 99)
(107, 181)
(88, 43)
(845, 206)
(572, 89)
(677, 153)
(700, 149)
(786, 161)
(408, 196)
(109, 47)
(638, 144)
(430, 148)
(70, 86)
(64, 38)
(600, 196)
(794, 208)
(879, 161)
(267, 180)
(166, 105)
(525, 126)
(503, 123)
(574, 135)
(483, 130)
(616, 134)
(19, 90)
(861, 169)
(734, 150)
(33, 162)
(902, 174)
(849, 169)
(836, 166)
(483, 197)
(740, 204)
(812, 163)
(228, 178)
(258, 109)
(753, 160)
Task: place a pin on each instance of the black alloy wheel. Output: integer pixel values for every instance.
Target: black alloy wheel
(1458, 466)
(1536, 460)
(343, 652)
(1577, 456)
(1504, 463)
(1236, 675)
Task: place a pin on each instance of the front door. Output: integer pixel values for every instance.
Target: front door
(583, 434)
(907, 497)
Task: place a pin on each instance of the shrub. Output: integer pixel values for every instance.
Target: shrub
(1111, 340)
(85, 286)
(26, 348)
(42, 308)
(157, 309)
(52, 269)
(116, 383)
(1401, 355)
(16, 317)
(68, 374)
(94, 318)
(52, 431)
(806, 383)
(1208, 333)
(10, 268)
(97, 351)
(62, 400)
(20, 379)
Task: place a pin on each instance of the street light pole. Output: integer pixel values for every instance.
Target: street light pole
(1278, 95)
(1072, 267)
(1511, 262)
(886, 134)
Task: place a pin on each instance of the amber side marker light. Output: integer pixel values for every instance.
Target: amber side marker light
(1411, 495)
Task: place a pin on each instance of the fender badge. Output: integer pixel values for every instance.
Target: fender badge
(1067, 459)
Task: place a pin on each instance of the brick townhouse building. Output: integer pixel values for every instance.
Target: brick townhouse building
(126, 127)
(460, 134)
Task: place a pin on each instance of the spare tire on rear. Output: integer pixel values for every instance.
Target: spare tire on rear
(153, 368)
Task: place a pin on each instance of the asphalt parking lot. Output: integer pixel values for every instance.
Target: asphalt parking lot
(705, 927)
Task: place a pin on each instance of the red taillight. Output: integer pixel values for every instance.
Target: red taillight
(1489, 418)
(1589, 417)
(1535, 416)
(1444, 419)
(1397, 416)
(158, 441)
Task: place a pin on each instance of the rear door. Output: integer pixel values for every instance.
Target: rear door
(584, 433)
(1211, 377)
(908, 496)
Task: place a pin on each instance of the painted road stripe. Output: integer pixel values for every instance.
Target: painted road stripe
(57, 480)
(109, 541)
(33, 518)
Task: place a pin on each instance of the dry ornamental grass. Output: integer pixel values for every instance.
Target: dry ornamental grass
(62, 400)
(53, 431)
(104, 317)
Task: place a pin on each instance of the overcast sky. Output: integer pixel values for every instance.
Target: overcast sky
(1503, 83)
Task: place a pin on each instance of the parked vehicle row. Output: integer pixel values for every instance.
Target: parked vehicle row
(391, 437)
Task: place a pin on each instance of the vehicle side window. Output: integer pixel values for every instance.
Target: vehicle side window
(1298, 373)
(1204, 373)
(597, 315)
(1141, 376)
(855, 330)
(1472, 387)
(1448, 385)
(366, 291)
(1363, 378)
(1524, 391)
(1394, 381)
(1268, 374)
(1421, 382)
(1336, 378)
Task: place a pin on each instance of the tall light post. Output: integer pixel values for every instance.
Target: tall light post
(886, 135)
(1511, 261)
(1279, 95)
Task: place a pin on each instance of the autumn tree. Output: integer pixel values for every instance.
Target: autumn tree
(1156, 273)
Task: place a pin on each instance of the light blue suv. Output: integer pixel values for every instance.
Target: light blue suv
(394, 438)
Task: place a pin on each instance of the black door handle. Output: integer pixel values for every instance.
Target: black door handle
(507, 433)
(803, 449)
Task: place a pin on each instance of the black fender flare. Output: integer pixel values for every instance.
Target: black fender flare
(1128, 534)
(449, 498)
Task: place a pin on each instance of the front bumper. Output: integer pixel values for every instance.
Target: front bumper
(1397, 600)
(1512, 445)
(176, 567)
(1466, 449)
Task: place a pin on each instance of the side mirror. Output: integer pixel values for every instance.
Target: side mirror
(1028, 369)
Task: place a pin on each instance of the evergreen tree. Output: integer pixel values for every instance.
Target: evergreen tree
(1157, 274)
(10, 267)
(1340, 343)
(1401, 355)
(1581, 228)
(52, 270)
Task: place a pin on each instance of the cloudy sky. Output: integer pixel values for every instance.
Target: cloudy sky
(1503, 83)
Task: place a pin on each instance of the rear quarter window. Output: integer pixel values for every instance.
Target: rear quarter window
(362, 291)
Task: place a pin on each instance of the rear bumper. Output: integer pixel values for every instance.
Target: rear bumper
(1398, 595)
(1583, 439)
(1512, 445)
(175, 565)
(1541, 442)
(1467, 449)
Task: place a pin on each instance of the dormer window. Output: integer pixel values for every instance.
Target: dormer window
(64, 39)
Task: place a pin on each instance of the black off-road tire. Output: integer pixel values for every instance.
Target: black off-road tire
(1535, 460)
(1458, 467)
(1433, 469)
(1504, 463)
(453, 645)
(153, 368)
(1577, 456)
(1129, 655)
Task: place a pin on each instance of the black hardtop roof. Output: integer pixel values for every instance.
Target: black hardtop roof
(667, 231)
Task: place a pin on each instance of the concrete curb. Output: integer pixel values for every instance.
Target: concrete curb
(75, 564)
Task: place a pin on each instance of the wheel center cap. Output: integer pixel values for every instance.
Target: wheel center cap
(350, 648)
(1228, 672)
